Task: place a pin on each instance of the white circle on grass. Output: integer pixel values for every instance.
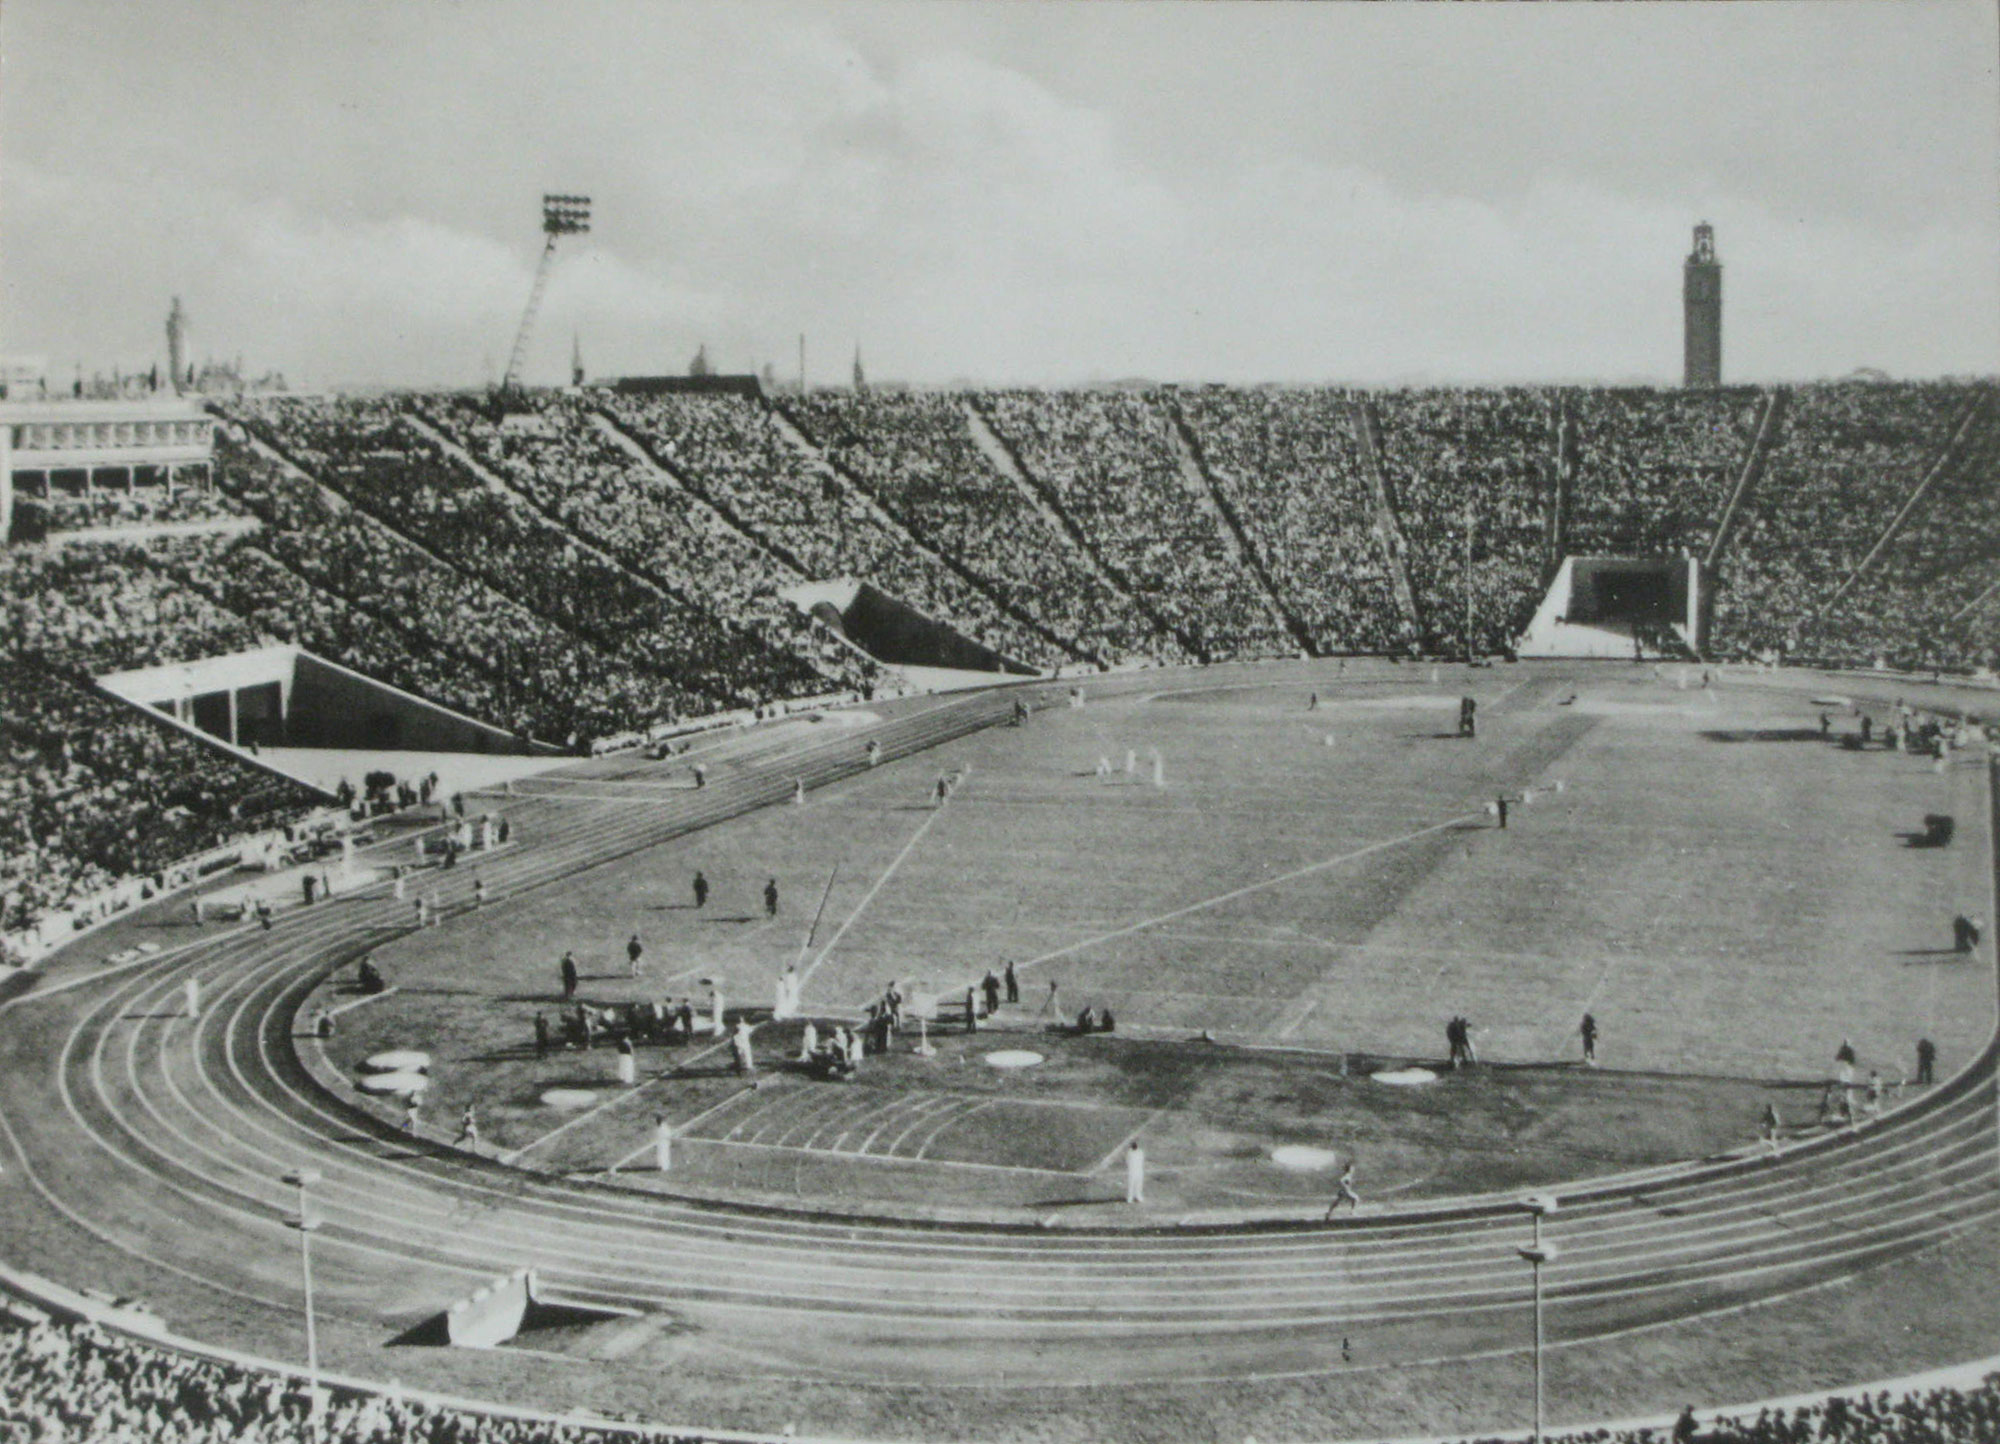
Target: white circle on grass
(397, 1084)
(1302, 1159)
(1405, 1077)
(1013, 1058)
(397, 1060)
(568, 1099)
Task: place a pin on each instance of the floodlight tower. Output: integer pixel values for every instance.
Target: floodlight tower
(561, 216)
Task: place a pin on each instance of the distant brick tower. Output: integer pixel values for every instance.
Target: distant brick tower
(1701, 309)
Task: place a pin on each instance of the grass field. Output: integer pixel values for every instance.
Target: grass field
(1729, 895)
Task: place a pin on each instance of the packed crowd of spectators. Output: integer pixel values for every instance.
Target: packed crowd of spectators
(93, 792)
(1484, 460)
(915, 453)
(1653, 469)
(1291, 468)
(332, 578)
(37, 514)
(64, 1383)
(1929, 600)
(1108, 461)
(100, 606)
(1849, 454)
(365, 450)
(731, 450)
(593, 592)
(1929, 1416)
(566, 464)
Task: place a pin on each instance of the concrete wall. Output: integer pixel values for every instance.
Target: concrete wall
(893, 632)
(240, 698)
(280, 696)
(331, 706)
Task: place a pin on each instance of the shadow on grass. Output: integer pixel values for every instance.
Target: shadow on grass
(1764, 734)
(1085, 1200)
(519, 1053)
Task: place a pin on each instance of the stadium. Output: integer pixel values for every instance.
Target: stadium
(688, 906)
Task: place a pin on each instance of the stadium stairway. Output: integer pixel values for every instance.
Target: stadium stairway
(1006, 457)
(1368, 436)
(1200, 479)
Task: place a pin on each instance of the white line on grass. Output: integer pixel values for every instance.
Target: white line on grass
(612, 1102)
(1299, 1018)
(1122, 1144)
(1293, 876)
(869, 896)
(680, 1128)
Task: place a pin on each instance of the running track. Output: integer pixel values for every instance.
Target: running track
(167, 1139)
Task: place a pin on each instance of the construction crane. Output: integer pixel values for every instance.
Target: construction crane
(561, 216)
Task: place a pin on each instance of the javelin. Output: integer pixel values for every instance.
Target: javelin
(813, 931)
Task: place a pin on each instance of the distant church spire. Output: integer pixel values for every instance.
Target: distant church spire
(860, 381)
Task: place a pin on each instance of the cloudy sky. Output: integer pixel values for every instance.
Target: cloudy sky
(1040, 192)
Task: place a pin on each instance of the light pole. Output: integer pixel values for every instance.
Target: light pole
(561, 216)
(307, 1225)
(1538, 1253)
(1471, 521)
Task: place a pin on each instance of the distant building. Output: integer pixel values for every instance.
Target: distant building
(52, 449)
(860, 380)
(1701, 309)
(23, 378)
(713, 383)
(179, 372)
